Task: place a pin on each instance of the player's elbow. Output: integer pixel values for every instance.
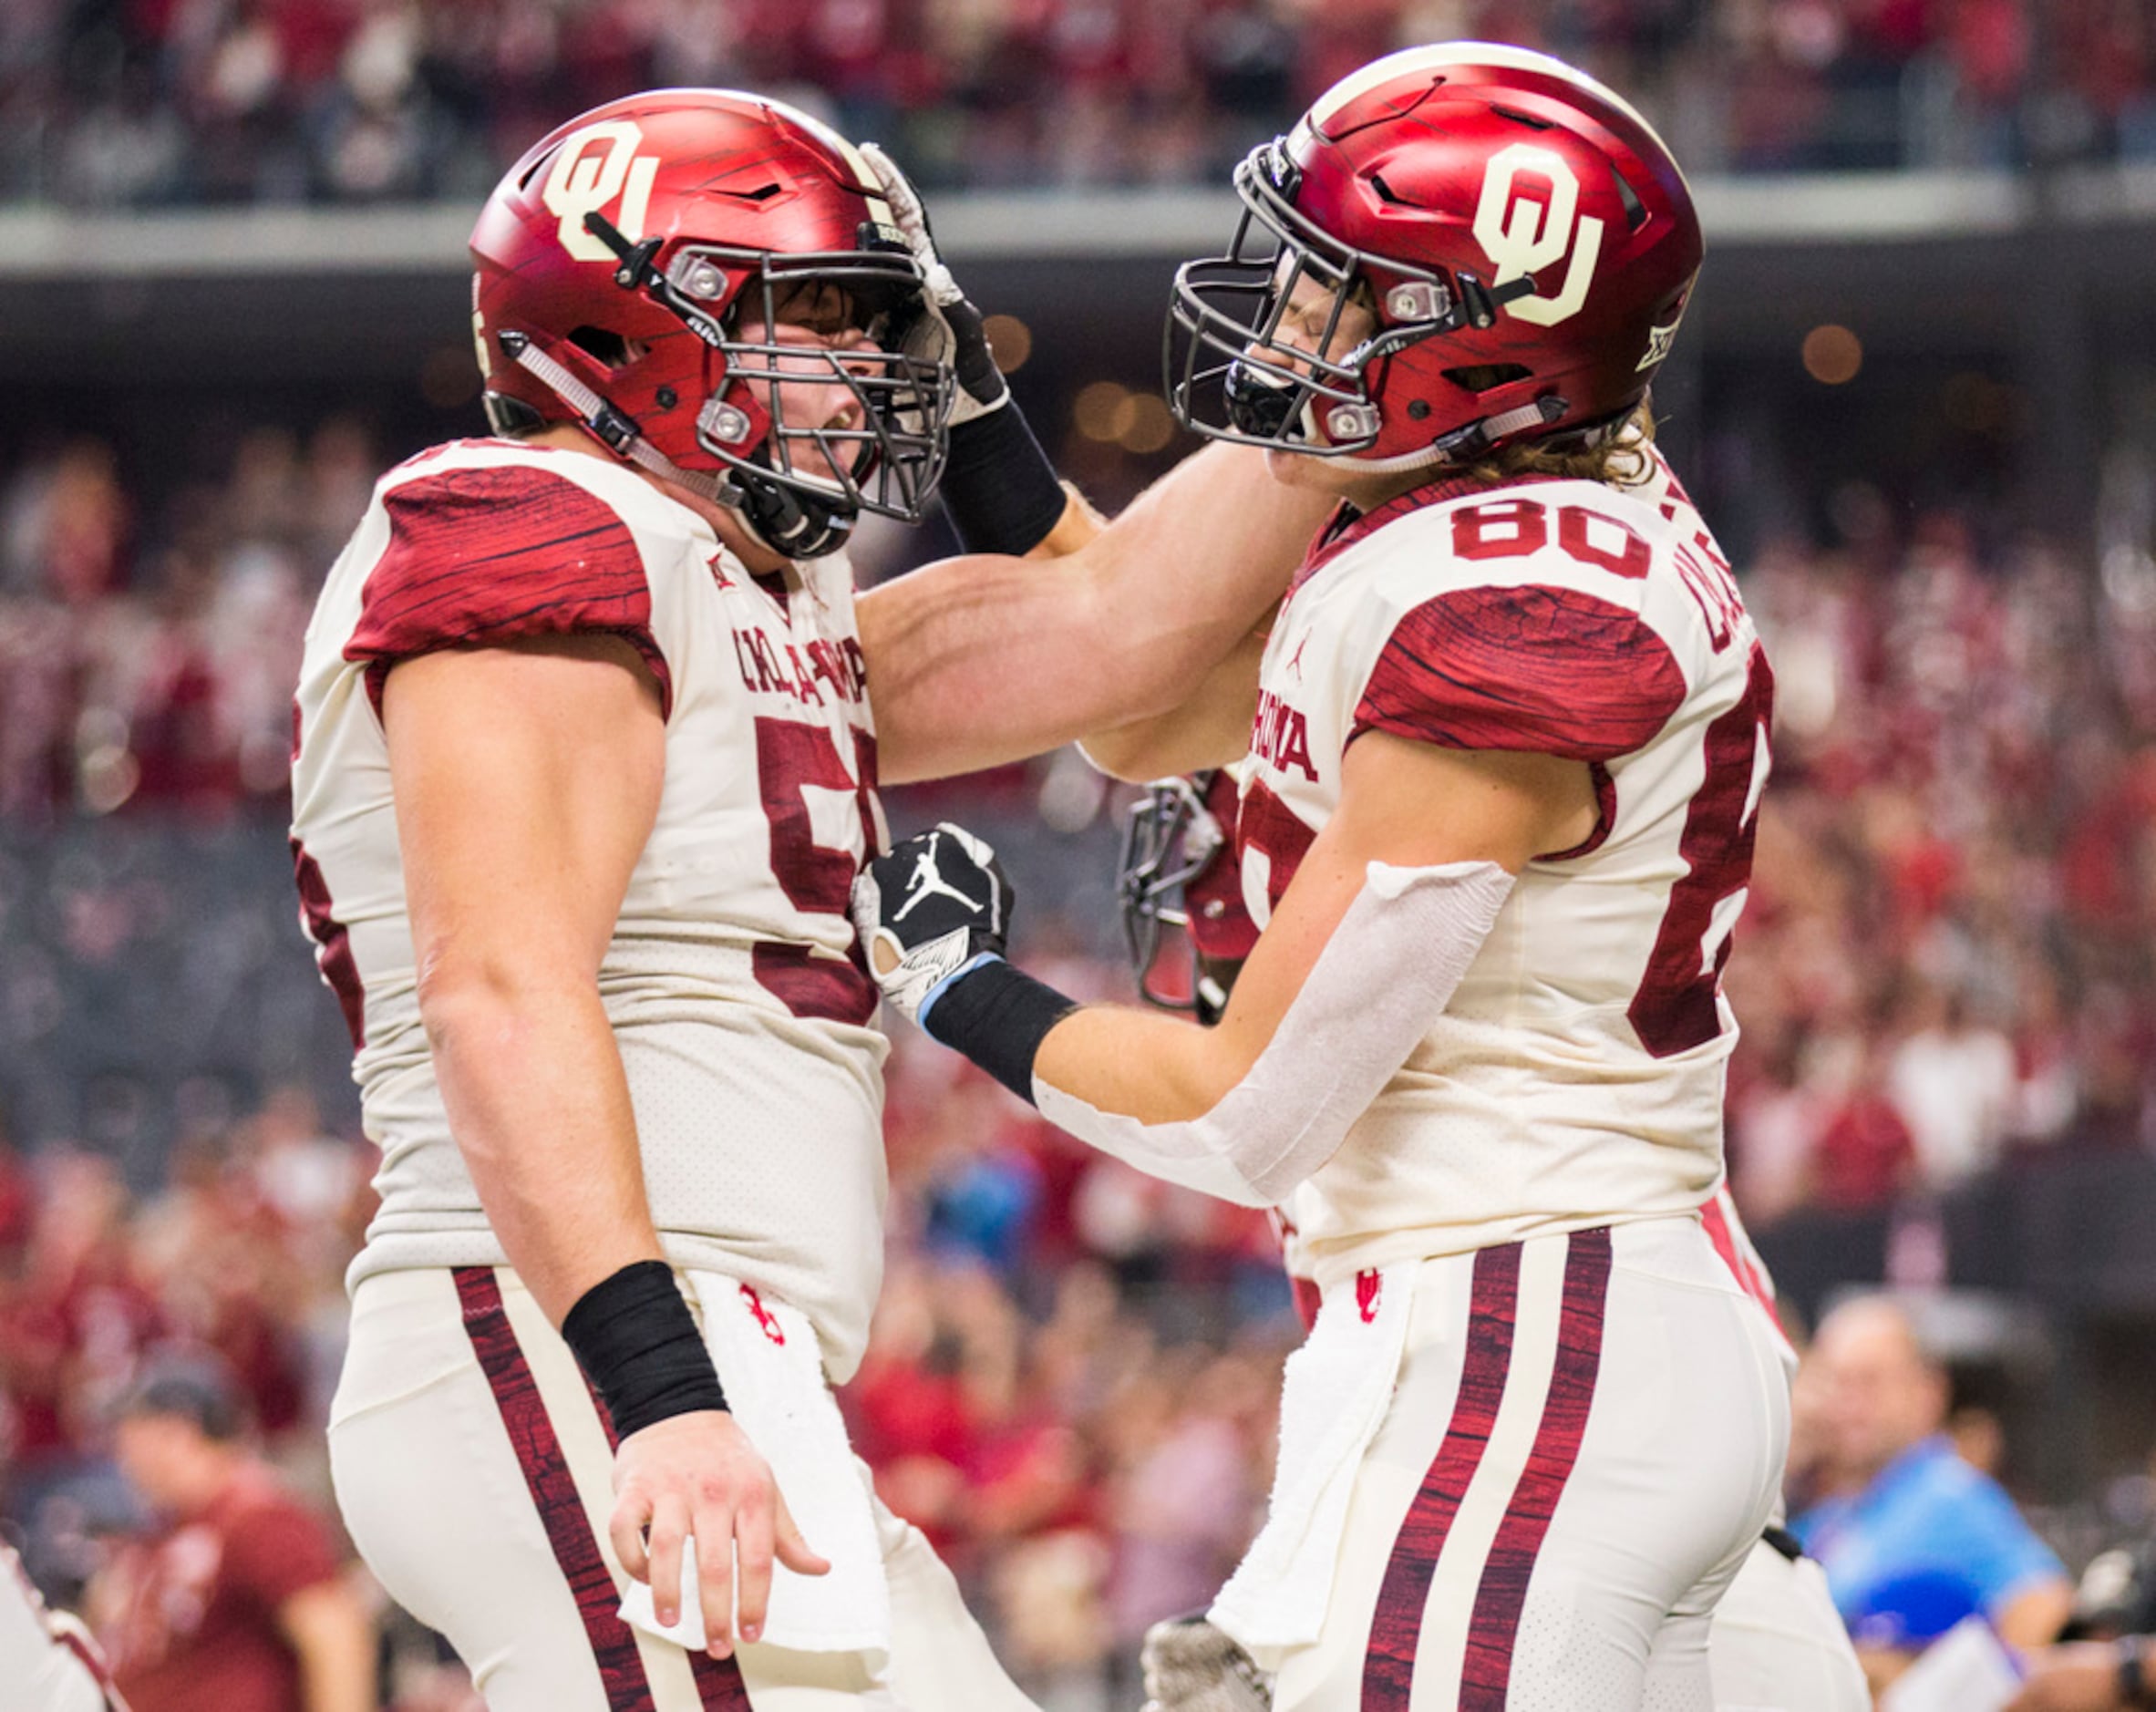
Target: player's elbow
(1130, 753)
(476, 999)
(1205, 1078)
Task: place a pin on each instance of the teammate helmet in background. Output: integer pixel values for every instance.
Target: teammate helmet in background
(1179, 870)
(1522, 235)
(619, 263)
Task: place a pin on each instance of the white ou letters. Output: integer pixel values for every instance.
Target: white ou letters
(584, 181)
(1522, 235)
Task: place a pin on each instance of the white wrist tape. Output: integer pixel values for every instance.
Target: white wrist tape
(1379, 985)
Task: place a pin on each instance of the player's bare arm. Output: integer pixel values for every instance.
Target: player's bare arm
(527, 781)
(980, 660)
(1209, 723)
(1210, 728)
(1143, 1085)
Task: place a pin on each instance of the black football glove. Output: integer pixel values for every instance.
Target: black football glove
(937, 905)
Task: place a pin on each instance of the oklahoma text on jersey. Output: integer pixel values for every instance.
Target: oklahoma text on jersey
(733, 979)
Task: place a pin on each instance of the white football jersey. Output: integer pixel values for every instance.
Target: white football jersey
(1576, 1077)
(734, 982)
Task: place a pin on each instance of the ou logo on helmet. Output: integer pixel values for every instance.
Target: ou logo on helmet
(583, 180)
(1523, 235)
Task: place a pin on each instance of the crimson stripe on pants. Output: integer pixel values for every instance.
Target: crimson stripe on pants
(553, 1490)
(1486, 1671)
(1389, 1667)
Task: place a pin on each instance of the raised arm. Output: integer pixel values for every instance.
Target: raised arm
(1209, 727)
(980, 660)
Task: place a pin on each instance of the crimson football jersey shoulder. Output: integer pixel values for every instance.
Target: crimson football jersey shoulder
(485, 554)
(733, 979)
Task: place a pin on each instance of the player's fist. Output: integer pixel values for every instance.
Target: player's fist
(937, 904)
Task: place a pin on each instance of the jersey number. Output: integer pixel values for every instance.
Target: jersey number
(816, 878)
(1674, 1007)
(1512, 529)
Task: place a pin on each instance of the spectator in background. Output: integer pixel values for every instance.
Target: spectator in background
(1865, 1156)
(1954, 1084)
(233, 1601)
(1912, 1539)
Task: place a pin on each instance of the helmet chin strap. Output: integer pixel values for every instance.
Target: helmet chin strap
(774, 516)
(1471, 442)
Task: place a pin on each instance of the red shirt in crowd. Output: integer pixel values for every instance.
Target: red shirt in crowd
(193, 1624)
(1865, 1156)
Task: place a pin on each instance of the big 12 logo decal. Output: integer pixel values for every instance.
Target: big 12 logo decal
(1522, 235)
(583, 180)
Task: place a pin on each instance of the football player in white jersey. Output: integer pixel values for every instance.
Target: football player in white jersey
(585, 764)
(1506, 739)
(1777, 1643)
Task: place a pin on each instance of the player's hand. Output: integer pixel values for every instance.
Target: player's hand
(2080, 1677)
(698, 1475)
(1191, 1667)
(936, 904)
(952, 322)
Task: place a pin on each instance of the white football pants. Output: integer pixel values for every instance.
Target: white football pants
(473, 1471)
(1584, 1440)
(1777, 1643)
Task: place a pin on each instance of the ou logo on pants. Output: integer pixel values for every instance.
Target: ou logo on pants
(1522, 235)
(584, 181)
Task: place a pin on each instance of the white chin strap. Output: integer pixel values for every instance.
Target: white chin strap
(638, 450)
(1380, 986)
(1494, 428)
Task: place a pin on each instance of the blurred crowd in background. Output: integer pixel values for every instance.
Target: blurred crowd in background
(1949, 954)
(1947, 967)
(1948, 959)
(144, 102)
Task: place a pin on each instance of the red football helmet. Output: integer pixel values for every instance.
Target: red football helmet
(1522, 235)
(1179, 870)
(618, 261)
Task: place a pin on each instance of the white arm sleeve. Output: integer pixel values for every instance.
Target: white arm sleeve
(1379, 985)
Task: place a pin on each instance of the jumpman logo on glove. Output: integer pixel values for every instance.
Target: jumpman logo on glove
(929, 882)
(947, 904)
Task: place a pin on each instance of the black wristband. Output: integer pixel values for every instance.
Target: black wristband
(997, 1016)
(639, 1345)
(998, 487)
